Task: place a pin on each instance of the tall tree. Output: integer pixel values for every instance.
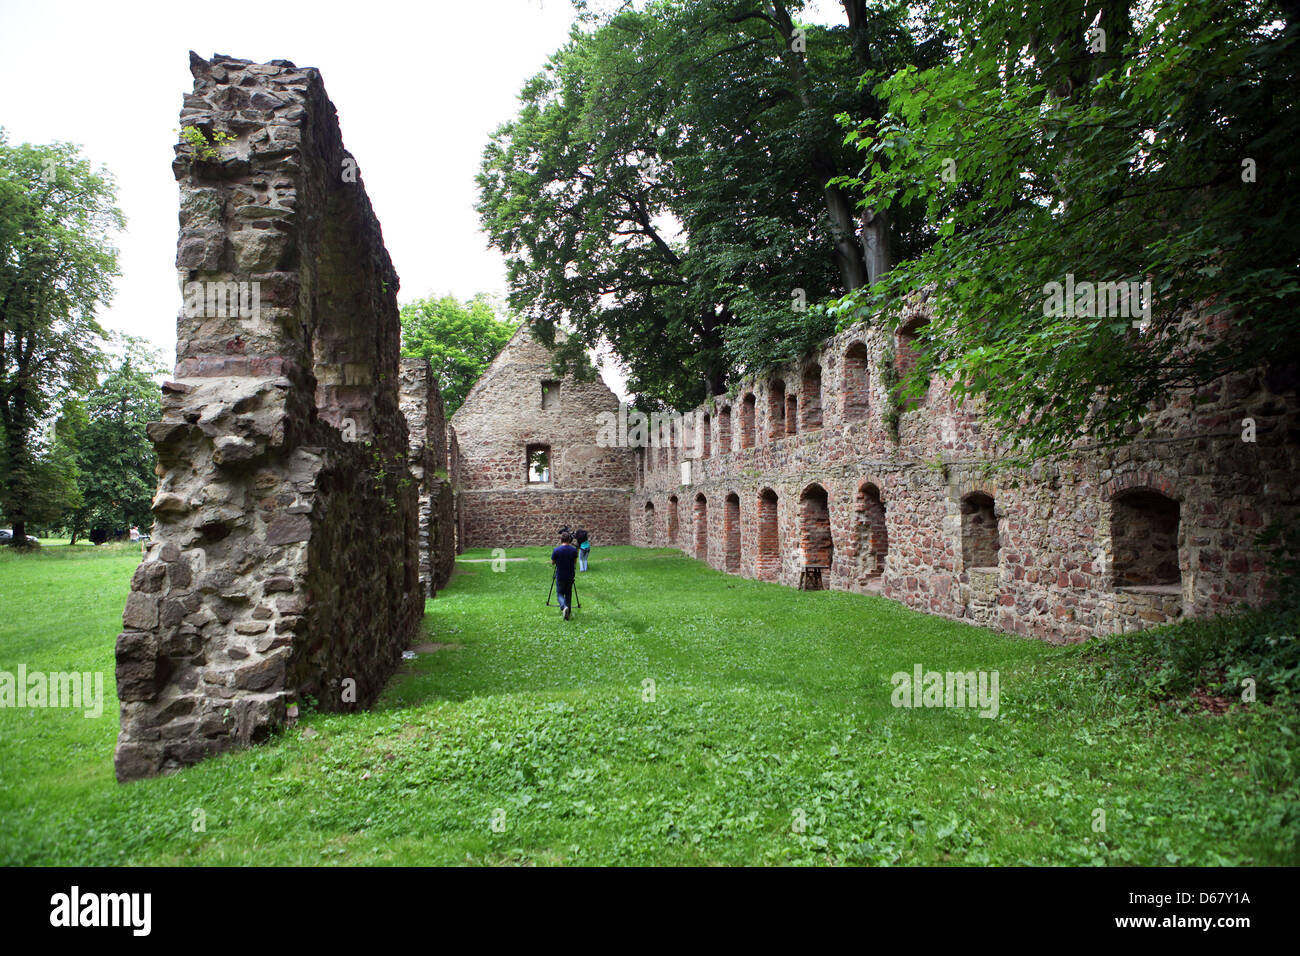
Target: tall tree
(667, 188)
(54, 493)
(1086, 142)
(56, 267)
(460, 340)
(114, 456)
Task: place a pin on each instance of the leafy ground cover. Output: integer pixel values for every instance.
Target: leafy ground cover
(683, 716)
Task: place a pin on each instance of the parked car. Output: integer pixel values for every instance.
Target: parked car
(7, 535)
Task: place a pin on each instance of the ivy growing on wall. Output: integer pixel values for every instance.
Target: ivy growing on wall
(893, 410)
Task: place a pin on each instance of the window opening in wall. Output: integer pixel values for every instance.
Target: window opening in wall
(539, 464)
(815, 527)
(701, 527)
(857, 394)
(812, 398)
(731, 527)
(908, 354)
(872, 536)
(1144, 539)
(747, 422)
(979, 531)
(769, 541)
(775, 410)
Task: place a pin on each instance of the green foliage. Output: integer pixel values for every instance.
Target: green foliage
(460, 340)
(114, 457)
(52, 492)
(1213, 656)
(385, 479)
(766, 701)
(56, 267)
(1124, 165)
(889, 381)
(1281, 542)
(665, 188)
(765, 339)
(199, 144)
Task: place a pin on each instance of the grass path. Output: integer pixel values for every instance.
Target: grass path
(767, 735)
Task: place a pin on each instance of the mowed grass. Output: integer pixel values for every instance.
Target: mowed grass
(682, 717)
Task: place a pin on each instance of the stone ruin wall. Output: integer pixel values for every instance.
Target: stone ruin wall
(285, 558)
(1098, 543)
(422, 408)
(501, 418)
(453, 472)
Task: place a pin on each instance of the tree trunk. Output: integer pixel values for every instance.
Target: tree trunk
(877, 227)
(15, 492)
(715, 369)
(877, 244)
(848, 254)
(847, 250)
(715, 380)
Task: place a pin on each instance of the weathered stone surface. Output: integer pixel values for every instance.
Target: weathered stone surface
(137, 665)
(503, 416)
(285, 496)
(423, 410)
(232, 450)
(141, 611)
(261, 675)
(289, 528)
(914, 516)
(134, 760)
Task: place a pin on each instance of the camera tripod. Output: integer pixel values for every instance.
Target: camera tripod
(576, 602)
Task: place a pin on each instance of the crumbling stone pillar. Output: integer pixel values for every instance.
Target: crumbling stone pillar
(284, 565)
(422, 407)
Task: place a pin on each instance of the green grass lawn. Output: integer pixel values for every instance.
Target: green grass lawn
(767, 736)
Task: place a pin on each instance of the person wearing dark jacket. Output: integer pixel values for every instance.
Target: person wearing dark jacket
(564, 557)
(584, 548)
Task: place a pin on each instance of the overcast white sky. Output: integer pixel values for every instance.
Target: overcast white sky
(419, 87)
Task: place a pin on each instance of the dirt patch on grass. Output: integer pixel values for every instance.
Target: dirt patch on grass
(1210, 704)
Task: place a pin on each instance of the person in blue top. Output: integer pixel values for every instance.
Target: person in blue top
(584, 548)
(564, 557)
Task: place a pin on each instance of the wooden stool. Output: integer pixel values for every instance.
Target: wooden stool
(810, 578)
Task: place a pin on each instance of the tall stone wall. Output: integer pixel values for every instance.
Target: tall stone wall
(506, 414)
(285, 558)
(1100, 542)
(422, 407)
(453, 471)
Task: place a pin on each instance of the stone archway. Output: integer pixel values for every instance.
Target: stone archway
(731, 547)
(769, 536)
(857, 391)
(815, 540)
(870, 532)
(775, 410)
(701, 527)
(810, 414)
(980, 545)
